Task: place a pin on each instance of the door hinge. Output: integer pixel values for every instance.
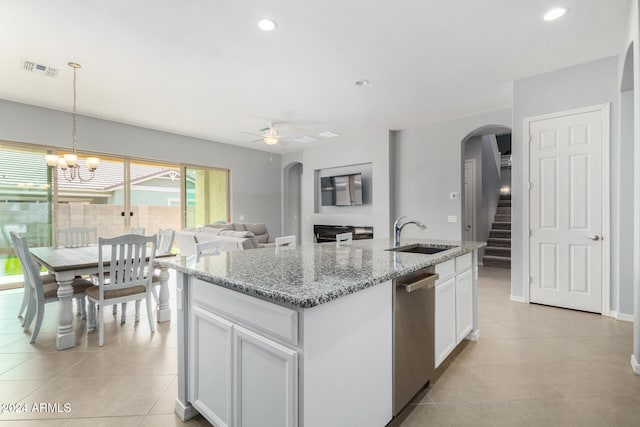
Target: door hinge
(530, 233)
(529, 185)
(531, 139)
(531, 280)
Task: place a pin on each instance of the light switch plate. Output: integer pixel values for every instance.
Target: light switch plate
(452, 218)
(241, 217)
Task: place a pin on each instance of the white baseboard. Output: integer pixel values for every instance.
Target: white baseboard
(635, 365)
(185, 412)
(473, 335)
(621, 316)
(517, 299)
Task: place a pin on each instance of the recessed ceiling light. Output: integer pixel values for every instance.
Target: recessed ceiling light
(555, 13)
(362, 82)
(267, 24)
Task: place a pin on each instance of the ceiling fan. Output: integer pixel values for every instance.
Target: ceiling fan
(270, 135)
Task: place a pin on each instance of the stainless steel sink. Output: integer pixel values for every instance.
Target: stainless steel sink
(422, 249)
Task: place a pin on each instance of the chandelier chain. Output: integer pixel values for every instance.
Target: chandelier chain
(73, 128)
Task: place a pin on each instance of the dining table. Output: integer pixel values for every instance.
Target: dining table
(66, 263)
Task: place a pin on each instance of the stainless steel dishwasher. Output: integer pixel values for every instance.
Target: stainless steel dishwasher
(413, 335)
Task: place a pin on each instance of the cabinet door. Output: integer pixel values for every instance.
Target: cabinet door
(210, 366)
(445, 320)
(266, 381)
(464, 305)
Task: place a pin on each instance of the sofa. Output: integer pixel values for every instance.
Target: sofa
(233, 236)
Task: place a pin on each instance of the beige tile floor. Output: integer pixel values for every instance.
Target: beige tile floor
(533, 365)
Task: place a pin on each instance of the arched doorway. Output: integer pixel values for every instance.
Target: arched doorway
(485, 195)
(291, 203)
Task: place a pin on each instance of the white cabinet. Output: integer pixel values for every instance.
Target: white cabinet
(266, 379)
(464, 305)
(239, 377)
(445, 319)
(453, 305)
(210, 352)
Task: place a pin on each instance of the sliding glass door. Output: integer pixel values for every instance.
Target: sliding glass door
(206, 196)
(124, 193)
(25, 204)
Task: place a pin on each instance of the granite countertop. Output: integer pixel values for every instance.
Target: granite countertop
(312, 274)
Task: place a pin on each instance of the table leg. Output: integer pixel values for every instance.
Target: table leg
(66, 338)
(164, 311)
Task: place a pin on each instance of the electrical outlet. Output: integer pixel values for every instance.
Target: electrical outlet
(453, 196)
(241, 217)
(452, 218)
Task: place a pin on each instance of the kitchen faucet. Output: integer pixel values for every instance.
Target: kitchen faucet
(397, 229)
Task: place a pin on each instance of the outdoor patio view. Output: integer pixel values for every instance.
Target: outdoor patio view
(151, 200)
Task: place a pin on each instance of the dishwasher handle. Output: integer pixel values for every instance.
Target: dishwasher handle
(428, 282)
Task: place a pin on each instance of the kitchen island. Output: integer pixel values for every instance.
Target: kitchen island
(304, 336)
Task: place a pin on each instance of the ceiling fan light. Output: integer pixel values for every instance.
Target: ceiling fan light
(270, 140)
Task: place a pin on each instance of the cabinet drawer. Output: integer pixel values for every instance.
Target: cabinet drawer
(272, 319)
(463, 262)
(446, 269)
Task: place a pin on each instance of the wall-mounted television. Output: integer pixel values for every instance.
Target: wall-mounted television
(341, 190)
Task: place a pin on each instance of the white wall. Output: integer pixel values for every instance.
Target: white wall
(370, 146)
(633, 36)
(624, 254)
(255, 175)
(428, 167)
(582, 85)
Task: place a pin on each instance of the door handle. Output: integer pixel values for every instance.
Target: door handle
(428, 282)
(595, 238)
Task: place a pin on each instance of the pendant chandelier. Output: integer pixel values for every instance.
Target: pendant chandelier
(69, 162)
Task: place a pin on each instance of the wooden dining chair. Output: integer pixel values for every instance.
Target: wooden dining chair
(123, 275)
(39, 292)
(138, 230)
(210, 247)
(343, 238)
(165, 240)
(286, 241)
(74, 237)
(46, 279)
(165, 244)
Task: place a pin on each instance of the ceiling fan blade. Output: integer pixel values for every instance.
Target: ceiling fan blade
(250, 133)
(283, 142)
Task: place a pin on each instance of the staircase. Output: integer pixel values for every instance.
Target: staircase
(497, 253)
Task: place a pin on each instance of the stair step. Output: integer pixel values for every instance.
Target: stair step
(497, 251)
(501, 243)
(503, 218)
(504, 210)
(501, 226)
(496, 261)
(505, 197)
(500, 234)
(504, 203)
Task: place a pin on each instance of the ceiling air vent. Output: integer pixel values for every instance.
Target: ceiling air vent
(34, 67)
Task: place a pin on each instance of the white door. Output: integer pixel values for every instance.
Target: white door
(210, 367)
(566, 159)
(464, 305)
(266, 382)
(445, 319)
(469, 199)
